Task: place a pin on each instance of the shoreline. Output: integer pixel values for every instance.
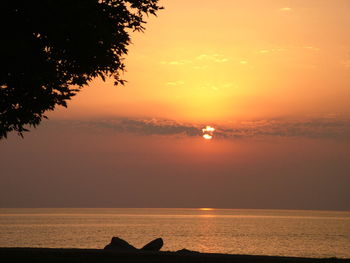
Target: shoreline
(27, 254)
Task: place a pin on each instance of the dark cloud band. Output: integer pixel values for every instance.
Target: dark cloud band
(311, 128)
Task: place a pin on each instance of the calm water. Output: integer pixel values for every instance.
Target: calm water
(260, 232)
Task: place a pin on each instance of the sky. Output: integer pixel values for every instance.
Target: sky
(271, 77)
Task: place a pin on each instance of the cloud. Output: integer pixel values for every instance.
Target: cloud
(198, 61)
(216, 87)
(217, 58)
(285, 9)
(176, 83)
(311, 48)
(210, 87)
(176, 62)
(329, 126)
(308, 128)
(143, 126)
(266, 51)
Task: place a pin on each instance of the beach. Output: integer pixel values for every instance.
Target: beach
(99, 255)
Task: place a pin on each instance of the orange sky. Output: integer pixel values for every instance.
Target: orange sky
(271, 76)
(232, 60)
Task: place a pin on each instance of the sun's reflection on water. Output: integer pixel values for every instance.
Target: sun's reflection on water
(206, 209)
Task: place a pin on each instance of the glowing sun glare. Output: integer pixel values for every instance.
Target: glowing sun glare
(208, 132)
(208, 129)
(206, 209)
(207, 136)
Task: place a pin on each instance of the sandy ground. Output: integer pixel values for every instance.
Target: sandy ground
(97, 255)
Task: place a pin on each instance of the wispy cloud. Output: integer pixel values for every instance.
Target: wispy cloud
(210, 87)
(209, 58)
(307, 128)
(329, 126)
(146, 126)
(285, 9)
(271, 50)
(176, 62)
(217, 58)
(216, 87)
(276, 50)
(175, 83)
(311, 48)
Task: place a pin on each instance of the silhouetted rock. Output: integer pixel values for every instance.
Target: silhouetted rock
(119, 244)
(154, 245)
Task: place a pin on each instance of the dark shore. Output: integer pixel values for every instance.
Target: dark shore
(99, 255)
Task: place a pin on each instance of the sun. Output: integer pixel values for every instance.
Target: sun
(207, 136)
(208, 129)
(208, 132)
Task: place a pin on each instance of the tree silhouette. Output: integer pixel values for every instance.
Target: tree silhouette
(50, 49)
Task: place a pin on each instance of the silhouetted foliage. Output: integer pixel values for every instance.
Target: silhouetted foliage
(49, 49)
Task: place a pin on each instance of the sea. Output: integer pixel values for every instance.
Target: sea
(314, 234)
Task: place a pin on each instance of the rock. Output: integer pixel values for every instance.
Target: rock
(154, 245)
(119, 244)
